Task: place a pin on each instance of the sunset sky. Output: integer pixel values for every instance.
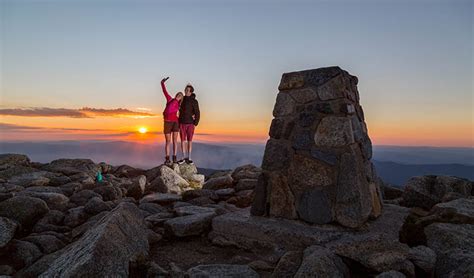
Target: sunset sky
(90, 70)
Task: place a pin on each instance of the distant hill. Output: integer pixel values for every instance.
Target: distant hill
(398, 174)
(214, 156)
(424, 155)
(207, 172)
(394, 164)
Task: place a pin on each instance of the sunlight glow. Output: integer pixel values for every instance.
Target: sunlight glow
(142, 130)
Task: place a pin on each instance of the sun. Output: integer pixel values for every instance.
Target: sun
(143, 130)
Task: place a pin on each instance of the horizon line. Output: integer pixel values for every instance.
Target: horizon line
(263, 143)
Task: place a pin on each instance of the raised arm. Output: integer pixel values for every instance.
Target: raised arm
(163, 88)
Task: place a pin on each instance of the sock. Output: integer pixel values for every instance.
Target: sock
(167, 157)
(184, 153)
(189, 156)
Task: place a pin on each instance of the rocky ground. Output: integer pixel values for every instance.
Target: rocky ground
(57, 221)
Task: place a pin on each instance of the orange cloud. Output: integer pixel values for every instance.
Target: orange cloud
(119, 112)
(85, 112)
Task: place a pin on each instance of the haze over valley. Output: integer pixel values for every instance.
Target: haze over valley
(395, 164)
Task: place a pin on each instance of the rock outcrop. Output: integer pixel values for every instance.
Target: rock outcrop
(104, 250)
(459, 211)
(222, 271)
(194, 224)
(56, 220)
(321, 262)
(73, 166)
(316, 165)
(454, 246)
(427, 191)
(7, 230)
(163, 179)
(25, 210)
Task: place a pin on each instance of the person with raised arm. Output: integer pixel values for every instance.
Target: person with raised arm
(171, 121)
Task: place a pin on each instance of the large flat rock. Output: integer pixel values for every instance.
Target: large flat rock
(456, 211)
(454, 247)
(253, 232)
(222, 270)
(105, 249)
(427, 191)
(376, 247)
(189, 225)
(73, 166)
(161, 198)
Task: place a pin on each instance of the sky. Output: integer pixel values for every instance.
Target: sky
(90, 70)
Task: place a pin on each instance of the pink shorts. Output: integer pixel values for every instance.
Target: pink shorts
(186, 132)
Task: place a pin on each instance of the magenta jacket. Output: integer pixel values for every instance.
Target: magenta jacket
(172, 106)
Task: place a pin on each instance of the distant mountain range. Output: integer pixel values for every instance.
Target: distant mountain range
(397, 174)
(424, 155)
(215, 156)
(393, 163)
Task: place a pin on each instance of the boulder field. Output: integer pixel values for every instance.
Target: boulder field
(315, 208)
(56, 220)
(122, 228)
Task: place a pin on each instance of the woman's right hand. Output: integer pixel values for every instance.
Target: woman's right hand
(164, 79)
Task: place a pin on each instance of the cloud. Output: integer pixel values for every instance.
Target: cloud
(143, 109)
(85, 112)
(42, 112)
(119, 112)
(14, 127)
(5, 126)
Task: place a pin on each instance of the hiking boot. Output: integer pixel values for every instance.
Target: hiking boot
(175, 160)
(180, 162)
(167, 160)
(189, 161)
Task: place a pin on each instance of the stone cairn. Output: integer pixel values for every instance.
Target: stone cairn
(316, 165)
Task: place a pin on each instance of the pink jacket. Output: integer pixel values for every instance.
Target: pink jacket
(172, 106)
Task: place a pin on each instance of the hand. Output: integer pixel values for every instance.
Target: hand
(164, 79)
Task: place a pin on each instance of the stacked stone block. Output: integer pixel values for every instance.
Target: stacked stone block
(316, 165)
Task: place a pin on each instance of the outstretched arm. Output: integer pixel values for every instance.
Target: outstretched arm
(163, 88)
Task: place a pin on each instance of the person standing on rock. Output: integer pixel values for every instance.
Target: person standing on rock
(189, 115)
(171, 121)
